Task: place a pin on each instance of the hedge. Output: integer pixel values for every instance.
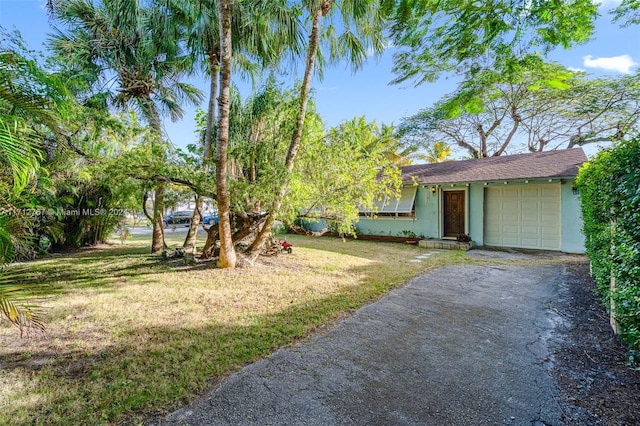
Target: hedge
(610, 193)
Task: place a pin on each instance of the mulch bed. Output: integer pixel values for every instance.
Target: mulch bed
(597, 387)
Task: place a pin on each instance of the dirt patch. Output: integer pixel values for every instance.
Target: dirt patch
(596, 385)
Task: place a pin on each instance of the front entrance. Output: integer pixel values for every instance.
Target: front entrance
(453, 211)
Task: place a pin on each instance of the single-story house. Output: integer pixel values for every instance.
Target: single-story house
(522, 201)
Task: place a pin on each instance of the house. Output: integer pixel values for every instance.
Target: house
(522, 201)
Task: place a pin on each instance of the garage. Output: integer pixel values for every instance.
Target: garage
(524, 216)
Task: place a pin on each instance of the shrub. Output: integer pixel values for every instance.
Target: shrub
(610, 192)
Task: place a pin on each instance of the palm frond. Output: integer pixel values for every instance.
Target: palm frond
(16, 146)
(14, 307)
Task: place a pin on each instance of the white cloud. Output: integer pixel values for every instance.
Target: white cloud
(621, 64)
(576, 69)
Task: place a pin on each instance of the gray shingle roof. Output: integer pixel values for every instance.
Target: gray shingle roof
(550, 164)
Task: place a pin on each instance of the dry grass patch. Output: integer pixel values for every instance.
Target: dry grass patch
(130, 336)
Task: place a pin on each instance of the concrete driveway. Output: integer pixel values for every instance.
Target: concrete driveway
(463, 345)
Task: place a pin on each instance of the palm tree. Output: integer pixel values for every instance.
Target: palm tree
(362, 23)
(438, 152)
(28, 97)
(383, 139)
(227, 253)
(140, 47)
(262, 31)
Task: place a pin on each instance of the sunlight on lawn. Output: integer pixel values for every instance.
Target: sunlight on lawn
(130, 335)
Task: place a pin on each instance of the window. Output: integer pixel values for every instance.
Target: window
(396, 207)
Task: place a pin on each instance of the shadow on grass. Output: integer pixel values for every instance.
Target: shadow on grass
(91, 269)
(151, 371)
(101, 267)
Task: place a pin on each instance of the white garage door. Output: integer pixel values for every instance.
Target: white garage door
(523, 216)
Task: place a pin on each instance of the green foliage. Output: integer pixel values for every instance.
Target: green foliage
(350, 168)
(628, 11)
(436, 37)
(134, 40)
(610, 191)
(32, 103)
(29, 98)
(532, 105)
(438, 152)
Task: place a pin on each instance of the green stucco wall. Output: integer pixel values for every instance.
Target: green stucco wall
(572, 237)
(424, 224)
(426, 221)
(476, 213)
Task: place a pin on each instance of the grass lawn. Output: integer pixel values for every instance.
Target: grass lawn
(131, 336)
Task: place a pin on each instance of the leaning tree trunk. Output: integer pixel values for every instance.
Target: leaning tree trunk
(189, 244)
(227, 252)
(296, 137)
(190, 241)
(210, 248)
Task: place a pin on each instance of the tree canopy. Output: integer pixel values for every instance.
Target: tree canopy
(535, 106)
(274, 157)
(436, 37)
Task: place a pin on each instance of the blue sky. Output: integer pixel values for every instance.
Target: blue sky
(342, 95)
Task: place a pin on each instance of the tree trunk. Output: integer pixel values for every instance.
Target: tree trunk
(153, 118)
(296, 137)
(189, 244)
(227, 251)
(190, 241)
(210, 248)
(157, 243)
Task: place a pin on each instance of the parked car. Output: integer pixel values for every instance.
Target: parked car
(210, 219)
(182, 217)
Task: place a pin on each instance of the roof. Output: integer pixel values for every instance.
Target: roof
(550, 164)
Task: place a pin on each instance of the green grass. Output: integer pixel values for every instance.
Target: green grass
(130, 336)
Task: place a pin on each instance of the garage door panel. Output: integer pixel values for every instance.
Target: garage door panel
(525, 216)
(550, 207)
(549, 191)
(550, 231)
(509, 191)
(530, 219)
(510, 242)
(530, 192)
(549, 218)
(529, 230)
(527, 242)
(550, 244)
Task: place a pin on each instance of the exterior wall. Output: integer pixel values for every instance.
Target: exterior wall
(424, 224)
(572, 236)
(572, 239)
(476, 213)
(427, 220)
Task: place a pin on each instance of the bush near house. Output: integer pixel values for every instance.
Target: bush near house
(610, 191)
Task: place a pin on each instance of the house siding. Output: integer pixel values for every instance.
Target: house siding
(572, 236)
(427, 218)
(425, 222)
(476, 213)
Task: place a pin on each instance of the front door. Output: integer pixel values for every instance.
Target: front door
(453, 213)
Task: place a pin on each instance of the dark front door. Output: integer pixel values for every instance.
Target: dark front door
(453, 213)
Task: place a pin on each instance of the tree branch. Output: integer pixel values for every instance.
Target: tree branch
(177, 181)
